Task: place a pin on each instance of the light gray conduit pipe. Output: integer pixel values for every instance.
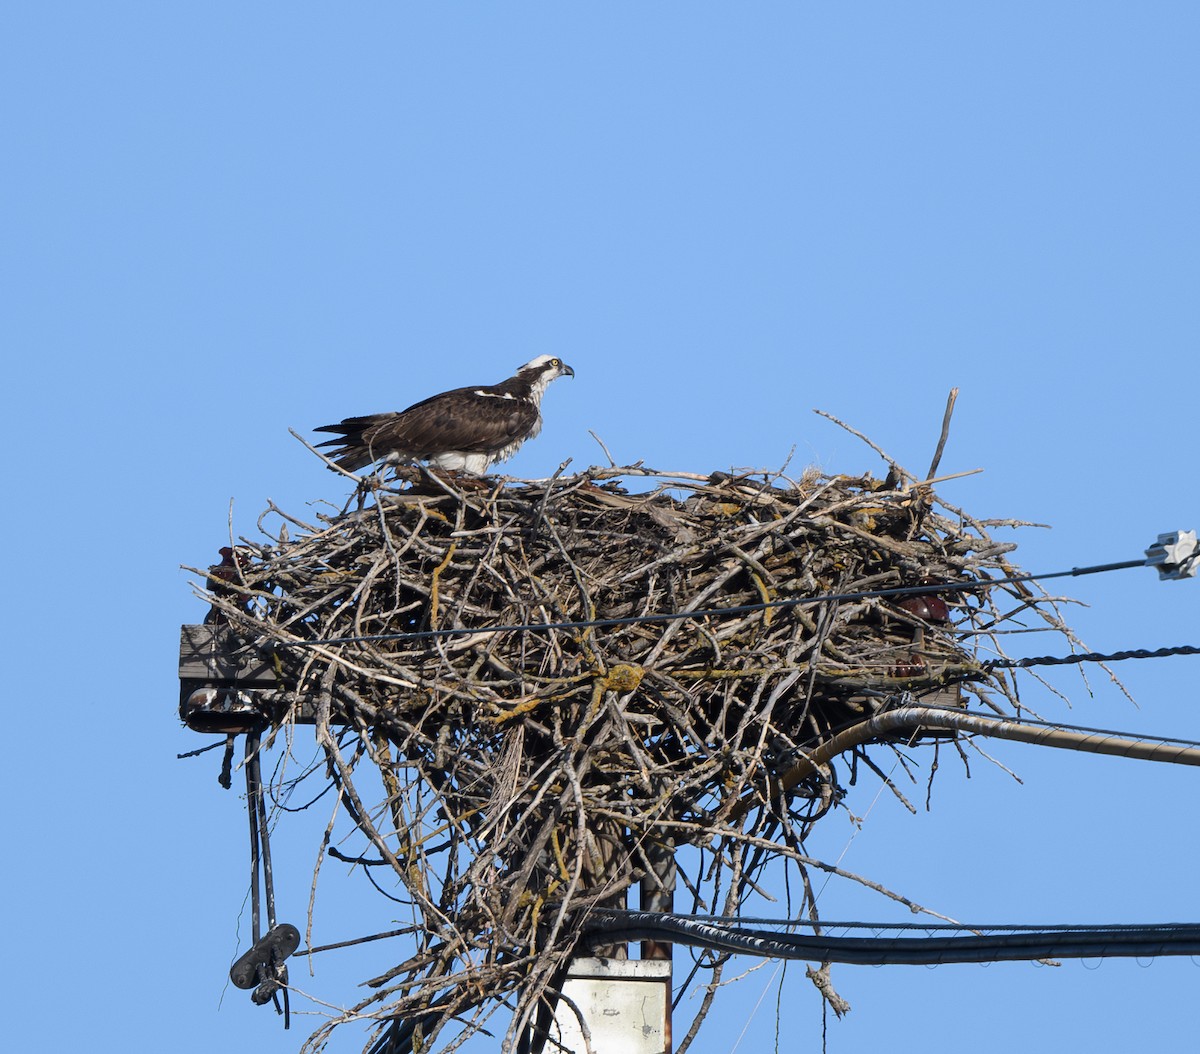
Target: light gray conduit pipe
(912, 718)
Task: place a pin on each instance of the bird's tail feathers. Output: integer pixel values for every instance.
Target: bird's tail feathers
(351, 449)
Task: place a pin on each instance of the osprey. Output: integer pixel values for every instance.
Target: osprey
(467, 429)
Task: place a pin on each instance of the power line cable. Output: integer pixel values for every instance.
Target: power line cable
(1057, 942)
(1091, 656)
(765, 921)
(739, 609)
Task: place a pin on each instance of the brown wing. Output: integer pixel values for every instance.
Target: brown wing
(472, 420)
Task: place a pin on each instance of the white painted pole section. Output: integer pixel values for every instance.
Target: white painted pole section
(614, 1006)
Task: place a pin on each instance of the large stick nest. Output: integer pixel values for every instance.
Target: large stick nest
(510, 778)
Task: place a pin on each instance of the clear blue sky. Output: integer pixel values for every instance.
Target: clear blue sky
(224, 220)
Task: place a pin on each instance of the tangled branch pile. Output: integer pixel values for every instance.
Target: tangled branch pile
(521, 775)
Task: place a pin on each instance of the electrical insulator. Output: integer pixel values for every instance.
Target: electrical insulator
(1176, 555)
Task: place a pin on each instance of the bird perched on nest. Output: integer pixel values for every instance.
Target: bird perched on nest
(225, 581)
(466, 429)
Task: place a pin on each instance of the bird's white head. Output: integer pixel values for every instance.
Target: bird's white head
(542, 370)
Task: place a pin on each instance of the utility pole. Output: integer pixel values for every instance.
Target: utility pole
(623, 1004)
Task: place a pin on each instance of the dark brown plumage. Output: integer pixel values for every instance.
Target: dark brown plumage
(225, 580)
(466, 429)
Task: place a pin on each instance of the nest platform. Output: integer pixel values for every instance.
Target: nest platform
(532, 693)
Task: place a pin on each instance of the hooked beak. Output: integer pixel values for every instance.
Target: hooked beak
(566, 371)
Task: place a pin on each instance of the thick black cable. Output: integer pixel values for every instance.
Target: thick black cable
(767, 922)
(1046, 943)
